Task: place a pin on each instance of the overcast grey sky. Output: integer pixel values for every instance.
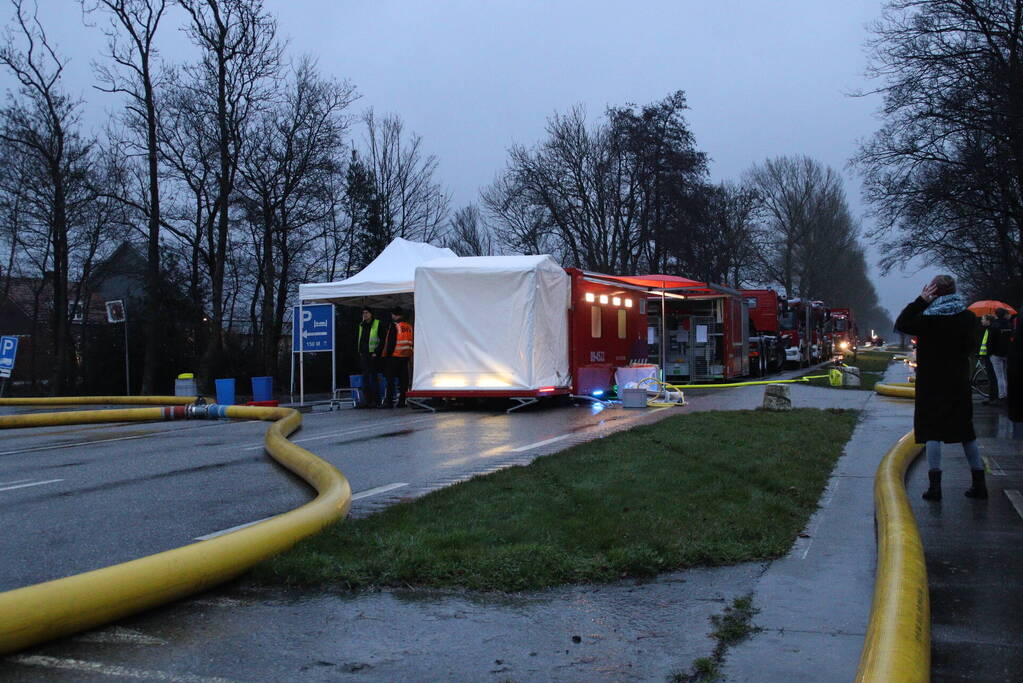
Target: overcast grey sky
(764, 78)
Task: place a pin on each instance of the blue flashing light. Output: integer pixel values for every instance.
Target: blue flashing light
(598, 392)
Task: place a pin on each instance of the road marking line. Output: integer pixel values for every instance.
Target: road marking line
(378, 490)
(219, 602)
(362, 494)
(77, 444)
(111, 669)
(353, 430)
(121, 635)
(992, 466)
(25, 486)
(16, 481)
(1016, 499)
(540, 443)
(229, 530)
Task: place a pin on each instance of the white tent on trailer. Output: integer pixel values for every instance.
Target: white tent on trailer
(387, 281)
(491, 324)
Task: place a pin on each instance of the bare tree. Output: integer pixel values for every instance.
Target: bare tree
(131, 32)
(806, 217)
(617, 196)
(290, 154)
(413, 204)
(40, 124)
(240, 57)
(468, 235)
(945, 170)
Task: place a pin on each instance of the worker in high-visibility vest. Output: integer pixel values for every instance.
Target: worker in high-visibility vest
(984, 354)
(397, 353)
(368, 345)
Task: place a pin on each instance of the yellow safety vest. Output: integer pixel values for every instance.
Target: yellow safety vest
(983, 343)
(374, 337)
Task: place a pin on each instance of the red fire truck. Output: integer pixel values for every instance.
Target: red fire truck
(766, 346)
(802, 332)
(842, 330)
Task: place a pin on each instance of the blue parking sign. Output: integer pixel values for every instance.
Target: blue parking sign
(8, 351)
(317, 328)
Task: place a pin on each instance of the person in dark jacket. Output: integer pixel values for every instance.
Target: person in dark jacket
(998, 346)
(946, 337)
(984, 354)
(397, 354)
(368, 345)
(1015, 377)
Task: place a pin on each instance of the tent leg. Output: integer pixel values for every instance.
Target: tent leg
(522, 402)
(423, 403)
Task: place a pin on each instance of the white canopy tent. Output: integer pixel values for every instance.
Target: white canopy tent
(388, 281)
(491, 324)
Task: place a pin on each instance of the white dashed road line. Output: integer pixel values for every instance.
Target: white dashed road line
(1016, 499)
(540, 443)
(993, 466)
(87, 667)
(353, 430)
(119, 635)
(378, 490)
(362, 494)
(25, 486)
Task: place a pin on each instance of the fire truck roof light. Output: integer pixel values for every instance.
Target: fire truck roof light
(616, 301)
(628, 303)
(590, 297)
(603, 298)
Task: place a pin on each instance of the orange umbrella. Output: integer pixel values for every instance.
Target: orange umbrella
(989, 306)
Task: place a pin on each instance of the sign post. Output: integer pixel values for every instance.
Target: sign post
(312, 331)
(116, 313)
(8, 352)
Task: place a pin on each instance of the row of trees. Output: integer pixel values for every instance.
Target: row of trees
(945, 170)
(235, 173)
(630, 194)
(243, 172)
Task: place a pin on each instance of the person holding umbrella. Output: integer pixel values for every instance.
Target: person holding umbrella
(946, 338)
(998, 346)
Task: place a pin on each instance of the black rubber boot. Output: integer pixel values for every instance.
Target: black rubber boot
(934, 492)
(979, 488)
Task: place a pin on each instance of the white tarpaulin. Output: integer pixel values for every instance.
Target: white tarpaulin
(387, 281)
(491, 323)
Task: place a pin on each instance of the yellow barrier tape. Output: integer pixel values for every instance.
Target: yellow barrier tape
(44, 611)
(898, 642)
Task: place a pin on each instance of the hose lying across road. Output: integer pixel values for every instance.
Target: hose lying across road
(44, 611)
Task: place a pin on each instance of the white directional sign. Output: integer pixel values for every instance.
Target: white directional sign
(8, 352)
(317, 328)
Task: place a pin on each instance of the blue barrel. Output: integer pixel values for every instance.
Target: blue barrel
(262, 388)
(225, 391)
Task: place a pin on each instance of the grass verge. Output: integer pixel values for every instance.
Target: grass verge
(872, 365)
(700, 489)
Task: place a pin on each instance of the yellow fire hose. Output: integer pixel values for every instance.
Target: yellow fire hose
(898, 642)
(896, 389)
(44, 611)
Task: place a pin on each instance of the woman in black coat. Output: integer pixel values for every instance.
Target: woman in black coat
(946, 337)
(1015, 377)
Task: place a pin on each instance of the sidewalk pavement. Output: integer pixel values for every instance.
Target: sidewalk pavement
(815, 602)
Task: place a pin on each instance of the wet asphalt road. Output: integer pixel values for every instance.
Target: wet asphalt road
(83, 497)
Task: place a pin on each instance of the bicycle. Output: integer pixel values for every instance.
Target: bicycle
(980, 382)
